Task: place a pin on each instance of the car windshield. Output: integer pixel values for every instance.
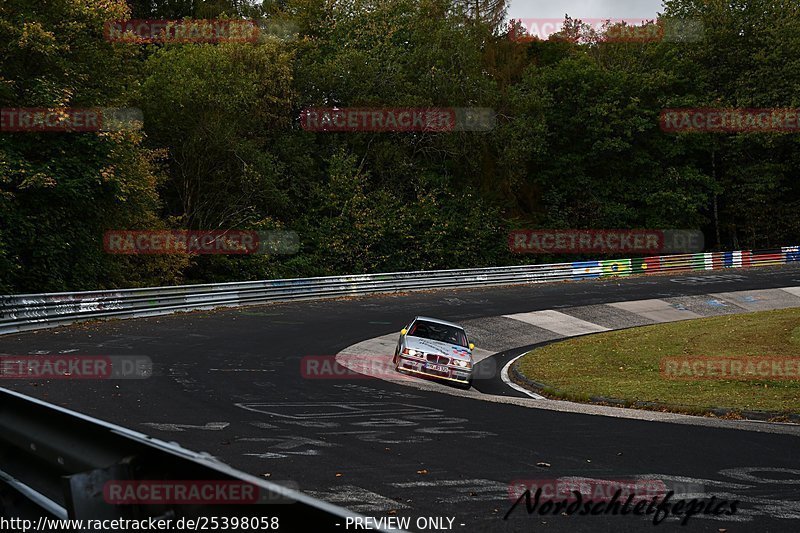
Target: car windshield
(438, 332)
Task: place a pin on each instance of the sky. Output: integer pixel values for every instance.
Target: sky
(522, 9)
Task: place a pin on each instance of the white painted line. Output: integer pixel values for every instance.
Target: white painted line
(558, 322)
(281, 455)
(466, 489)
(695, 481)
(507, 381)
(357, 499)
(209, 426)
(327, 410)
(476, 483)
(239, 370)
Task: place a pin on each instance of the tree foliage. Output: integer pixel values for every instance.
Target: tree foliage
(577, 141)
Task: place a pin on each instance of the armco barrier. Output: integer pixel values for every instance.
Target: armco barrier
(34, 311)
(57, 464)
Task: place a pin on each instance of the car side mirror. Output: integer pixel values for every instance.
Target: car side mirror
(471, 346)
(403, 331)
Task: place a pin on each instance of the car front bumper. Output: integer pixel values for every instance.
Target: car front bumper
(418, 366)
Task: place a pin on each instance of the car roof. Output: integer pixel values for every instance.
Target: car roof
(437, 321)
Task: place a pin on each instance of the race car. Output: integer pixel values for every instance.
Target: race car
(435, 348)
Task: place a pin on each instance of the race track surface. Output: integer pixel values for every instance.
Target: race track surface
(229, 383)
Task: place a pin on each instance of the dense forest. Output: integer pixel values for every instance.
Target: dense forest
(576, 144)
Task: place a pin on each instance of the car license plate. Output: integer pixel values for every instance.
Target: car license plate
(436, 368)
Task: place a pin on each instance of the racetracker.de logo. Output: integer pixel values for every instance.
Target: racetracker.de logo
(564, 241)
(181, 31)
(60, 120)
(730, 368)
(193, 492)
(350, 366)
(728, 120)
(601, 490)
(75, 367)
(237, 242)
(400, 119)
(610, 30)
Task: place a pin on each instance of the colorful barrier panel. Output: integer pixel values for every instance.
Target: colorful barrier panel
(582, 270)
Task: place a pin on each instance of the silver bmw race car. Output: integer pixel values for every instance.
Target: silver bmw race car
(435, 348)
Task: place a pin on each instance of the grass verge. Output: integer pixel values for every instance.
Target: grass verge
(625, 365)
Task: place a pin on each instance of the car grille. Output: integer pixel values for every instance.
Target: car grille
(438, 359)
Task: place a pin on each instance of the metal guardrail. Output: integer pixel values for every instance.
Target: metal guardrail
(56, 464)
(25, 312)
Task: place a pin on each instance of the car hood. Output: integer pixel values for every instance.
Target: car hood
(437, 347)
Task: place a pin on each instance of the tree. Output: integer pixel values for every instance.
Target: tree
(59, 192)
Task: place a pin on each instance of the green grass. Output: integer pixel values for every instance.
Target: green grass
(625, 364)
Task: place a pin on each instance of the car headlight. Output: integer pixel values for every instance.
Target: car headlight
(462, 363)
(412, 353)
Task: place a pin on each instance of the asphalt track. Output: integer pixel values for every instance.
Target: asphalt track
(229, 383)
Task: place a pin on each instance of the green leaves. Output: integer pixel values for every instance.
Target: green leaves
(60, 191)
(577, 141)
